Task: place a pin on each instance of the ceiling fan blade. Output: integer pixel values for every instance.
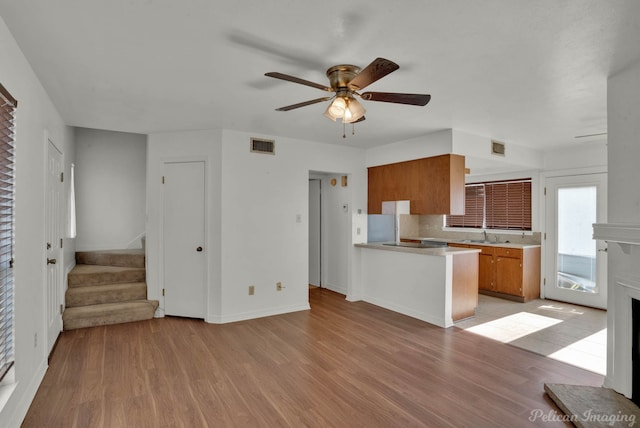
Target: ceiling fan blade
(394, 97)
(379, 68)
(298, 80)
(303, 104)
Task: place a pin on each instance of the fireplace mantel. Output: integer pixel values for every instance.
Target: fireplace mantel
(620, 233)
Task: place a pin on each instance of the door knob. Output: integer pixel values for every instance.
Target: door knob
(51, 261)
(199, 249)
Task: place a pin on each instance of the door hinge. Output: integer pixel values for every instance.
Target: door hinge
(62, 177)
(163, 179)
(163, 292)
(544, 281)
(61, 308)
(545, 191)
(61, 243)
(545, 236)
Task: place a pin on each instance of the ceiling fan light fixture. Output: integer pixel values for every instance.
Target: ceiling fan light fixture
(346, 108)
(353, 112)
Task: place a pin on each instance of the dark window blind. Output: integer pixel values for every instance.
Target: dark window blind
(473, 208)
(8, 105)
(496, 205)
(508, 205)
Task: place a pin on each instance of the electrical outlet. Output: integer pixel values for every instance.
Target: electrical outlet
(252, 290)
(278, 286)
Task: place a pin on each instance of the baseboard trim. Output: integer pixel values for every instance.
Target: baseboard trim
(24, 402)
(408, 312)
(336, 288)
(242, 316)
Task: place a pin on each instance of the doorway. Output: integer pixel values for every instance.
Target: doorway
(576, 264)
(315, 232)
(184, 252)
(53, 236)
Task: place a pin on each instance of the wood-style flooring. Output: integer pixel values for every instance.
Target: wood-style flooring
(340, 364)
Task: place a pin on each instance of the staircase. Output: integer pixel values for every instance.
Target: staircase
(107, 287)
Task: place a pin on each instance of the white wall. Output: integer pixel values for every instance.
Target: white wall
(623, 111)
(337, 233)
(579, 156)
(185, 146)
(433, 144)
(35, 114)
(110, 189)
(262, 241)
(258, 217)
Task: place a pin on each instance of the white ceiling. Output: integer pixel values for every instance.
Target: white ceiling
(529, 73)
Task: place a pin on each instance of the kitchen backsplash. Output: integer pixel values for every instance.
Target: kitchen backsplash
(430, 226)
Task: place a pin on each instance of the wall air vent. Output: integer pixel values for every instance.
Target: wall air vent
(497, 148)
(259, 145)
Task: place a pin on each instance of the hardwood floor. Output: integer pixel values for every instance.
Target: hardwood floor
(339, 365)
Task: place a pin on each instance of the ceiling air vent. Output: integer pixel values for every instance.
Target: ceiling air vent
(497, 148)
(263, 146)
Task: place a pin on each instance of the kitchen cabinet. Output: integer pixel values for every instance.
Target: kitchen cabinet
(512, 273)
(434, 185)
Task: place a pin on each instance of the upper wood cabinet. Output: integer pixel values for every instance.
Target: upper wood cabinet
(434, 185)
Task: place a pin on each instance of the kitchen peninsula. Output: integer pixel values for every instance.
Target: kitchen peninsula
(436, 285)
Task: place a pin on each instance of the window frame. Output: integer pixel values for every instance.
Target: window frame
(8, 105)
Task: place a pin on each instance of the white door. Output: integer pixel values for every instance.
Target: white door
(314, 232)
(54, 235)
(576, 264)
(184, 238)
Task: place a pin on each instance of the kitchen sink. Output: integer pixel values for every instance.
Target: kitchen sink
(478, 241)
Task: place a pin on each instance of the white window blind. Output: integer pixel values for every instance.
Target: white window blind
(8, 105)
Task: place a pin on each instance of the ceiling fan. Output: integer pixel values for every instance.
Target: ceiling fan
(345, 81)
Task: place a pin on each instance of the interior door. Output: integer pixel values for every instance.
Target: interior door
(184, 238)
(576, 264)
(54, 235)
(314, 232)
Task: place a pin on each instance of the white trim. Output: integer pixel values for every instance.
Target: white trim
(24, 402)
(620, 233)
(242, 316)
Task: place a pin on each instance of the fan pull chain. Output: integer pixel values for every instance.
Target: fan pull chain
(344, 134)
(353, 129)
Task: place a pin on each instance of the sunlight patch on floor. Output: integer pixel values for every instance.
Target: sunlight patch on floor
(589, 353)
(512, 327)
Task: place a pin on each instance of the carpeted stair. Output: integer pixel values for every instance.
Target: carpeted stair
(107, 287)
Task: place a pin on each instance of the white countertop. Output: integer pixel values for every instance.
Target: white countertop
(433, 251)
(471, 242)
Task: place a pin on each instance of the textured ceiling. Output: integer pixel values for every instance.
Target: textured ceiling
(531, 73)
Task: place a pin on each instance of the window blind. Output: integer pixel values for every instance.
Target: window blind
(508, 205)
(8, 105)
(474, 202)
(496, 205)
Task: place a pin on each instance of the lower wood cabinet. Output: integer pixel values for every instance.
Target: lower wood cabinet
(512, 273)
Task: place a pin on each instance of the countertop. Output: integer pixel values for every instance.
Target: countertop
(428, 251)
(475, 242)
